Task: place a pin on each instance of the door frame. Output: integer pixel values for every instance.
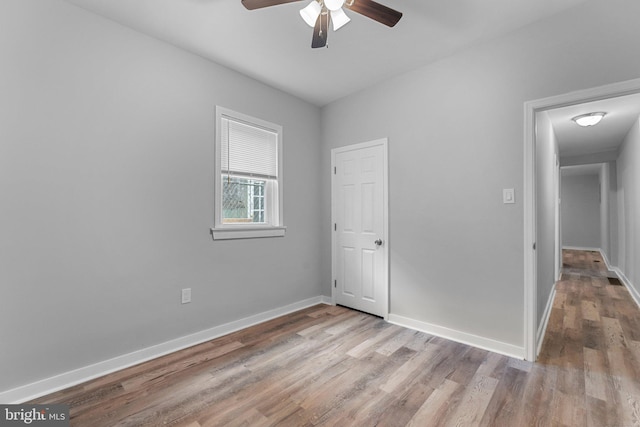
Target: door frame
(558, 237)
(384, 142)
(531, 108)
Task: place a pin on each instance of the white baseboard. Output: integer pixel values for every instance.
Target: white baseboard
(606, 260)
(68, 379)
(627, 283)
(545, 320)
(459, 336)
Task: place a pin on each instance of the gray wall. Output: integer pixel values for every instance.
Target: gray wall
(608, 214)
(547, 169)
(455, 132)
(628, 167)
(106, 172)
(604, 209)
(580, 209)
(614, 234)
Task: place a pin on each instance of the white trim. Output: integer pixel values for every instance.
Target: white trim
(627, 283)
(530, 109)
(385, 235)
(557, 248)
(545, 320)
(459, 336)
(606, 260)
(246, 233)
(530, 225)
(68, 379)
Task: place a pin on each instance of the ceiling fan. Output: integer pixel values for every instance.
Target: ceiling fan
(318, 13)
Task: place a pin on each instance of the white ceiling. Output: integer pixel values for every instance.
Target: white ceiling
(273, 44)
(607, 135)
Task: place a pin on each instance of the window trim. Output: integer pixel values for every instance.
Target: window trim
(275, 228)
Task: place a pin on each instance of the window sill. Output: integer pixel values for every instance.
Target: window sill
(246, 233)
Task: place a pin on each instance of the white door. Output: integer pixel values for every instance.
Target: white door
(360, 210)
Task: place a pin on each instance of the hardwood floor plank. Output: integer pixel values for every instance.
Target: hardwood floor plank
(568, 410)
(595, 379)
(396, 342)
(627, 391)
(364, 347)
(613, 333)
(570, 318)
(408, 369)
(474, 401)
(590, 310)
(401, 410)
(538, 396)
(434, 410)
(508, 399)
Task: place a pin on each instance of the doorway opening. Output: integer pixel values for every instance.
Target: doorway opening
(536, 235)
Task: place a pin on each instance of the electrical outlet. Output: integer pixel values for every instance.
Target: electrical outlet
(186, 295)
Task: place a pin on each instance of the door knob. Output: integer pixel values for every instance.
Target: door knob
(378, 242)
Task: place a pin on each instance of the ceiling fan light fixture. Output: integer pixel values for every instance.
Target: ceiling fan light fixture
(339, 19)
(311, 12)
(334, 5)
(589, 119)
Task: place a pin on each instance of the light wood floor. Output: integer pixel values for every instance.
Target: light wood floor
(333, 366)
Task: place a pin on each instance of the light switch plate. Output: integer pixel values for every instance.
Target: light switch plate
(186, 295)
(508, 195)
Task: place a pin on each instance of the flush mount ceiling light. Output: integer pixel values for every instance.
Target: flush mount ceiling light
(318, 13)
(589, 119)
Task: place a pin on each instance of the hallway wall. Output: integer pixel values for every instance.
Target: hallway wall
(546, 170)
(628, 168)
(580, 210)
(608, 213)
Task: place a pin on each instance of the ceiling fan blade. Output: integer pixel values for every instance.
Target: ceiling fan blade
(376, 11)
(320, 31)
(259, 4)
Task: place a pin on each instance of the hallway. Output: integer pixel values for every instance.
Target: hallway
(588, 371)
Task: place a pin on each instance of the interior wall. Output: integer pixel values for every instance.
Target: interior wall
(546, 190)
(614, 234)
(628, 175)
(455, 131)
(106, 177)
(581, 212)
(605, 240)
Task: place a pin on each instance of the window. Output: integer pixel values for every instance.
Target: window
(248, 177)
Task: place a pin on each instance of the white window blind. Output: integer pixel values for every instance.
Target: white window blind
(248, 150)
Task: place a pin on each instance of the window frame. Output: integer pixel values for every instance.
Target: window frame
(275, 215)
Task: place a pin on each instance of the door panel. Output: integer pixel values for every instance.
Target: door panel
(360, 218)
(368, 275)
(349, 274)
